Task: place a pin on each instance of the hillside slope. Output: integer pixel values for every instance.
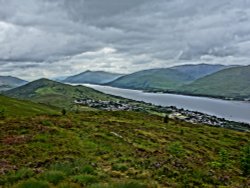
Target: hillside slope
(55, 93)
(13, 107)
(199, 70)
(9, 82)
(118, 149)
(230, 83)
(167, 79)
(93, 77)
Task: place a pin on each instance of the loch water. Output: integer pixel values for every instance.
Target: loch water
(230, 110)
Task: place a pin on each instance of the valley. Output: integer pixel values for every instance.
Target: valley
(81, 98)
(59, 135)
(228, 83)
(124, 94)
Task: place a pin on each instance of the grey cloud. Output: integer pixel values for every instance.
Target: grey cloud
(90, 10)
(68, 36)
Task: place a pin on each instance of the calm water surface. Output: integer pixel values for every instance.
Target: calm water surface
(231, 110)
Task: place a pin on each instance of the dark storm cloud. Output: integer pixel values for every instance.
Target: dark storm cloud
(69, 36)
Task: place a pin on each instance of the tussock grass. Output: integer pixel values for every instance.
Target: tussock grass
(82, 150)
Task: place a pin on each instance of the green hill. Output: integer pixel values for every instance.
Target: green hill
(12, 107)
(230, 83)
(167, 79)
(55, 93)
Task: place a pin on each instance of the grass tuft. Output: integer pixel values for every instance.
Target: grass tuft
(53, 177)
(33, 183)
(85, 180)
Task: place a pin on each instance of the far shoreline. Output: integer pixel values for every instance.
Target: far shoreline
(169, 92)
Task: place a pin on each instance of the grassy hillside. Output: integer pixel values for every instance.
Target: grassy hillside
(167, 79)
(118, 149)
(93, 77)
(55, 93)
(12, 107)
(231, 83)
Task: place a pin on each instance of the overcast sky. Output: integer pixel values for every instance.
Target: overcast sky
(49, 38)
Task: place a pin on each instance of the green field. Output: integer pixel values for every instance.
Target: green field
(115, 149)
(13, 107)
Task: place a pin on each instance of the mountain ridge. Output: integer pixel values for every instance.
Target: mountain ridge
(92, 77)
(165, 79)
(9, 82)
(229, 83)
(200, 70)
(152, 79)
(183, 79)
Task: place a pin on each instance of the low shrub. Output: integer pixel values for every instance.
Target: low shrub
(176, 148)
(223, 162)
(87, 169)
(120, 167)
(47, 123)
(66, 167)
(73, 168)
(53, 177)
(21, 174)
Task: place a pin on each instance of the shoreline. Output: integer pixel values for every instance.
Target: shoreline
(169, 92)
(241, 119)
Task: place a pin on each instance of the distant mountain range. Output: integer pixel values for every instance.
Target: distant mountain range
(153, 79)
(229, 83)
(9, 82)
(165, 79)
(92, 77)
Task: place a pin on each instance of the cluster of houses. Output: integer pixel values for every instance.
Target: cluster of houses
(195, 118)
(107, 105)
(200, 118)
(173, 113)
